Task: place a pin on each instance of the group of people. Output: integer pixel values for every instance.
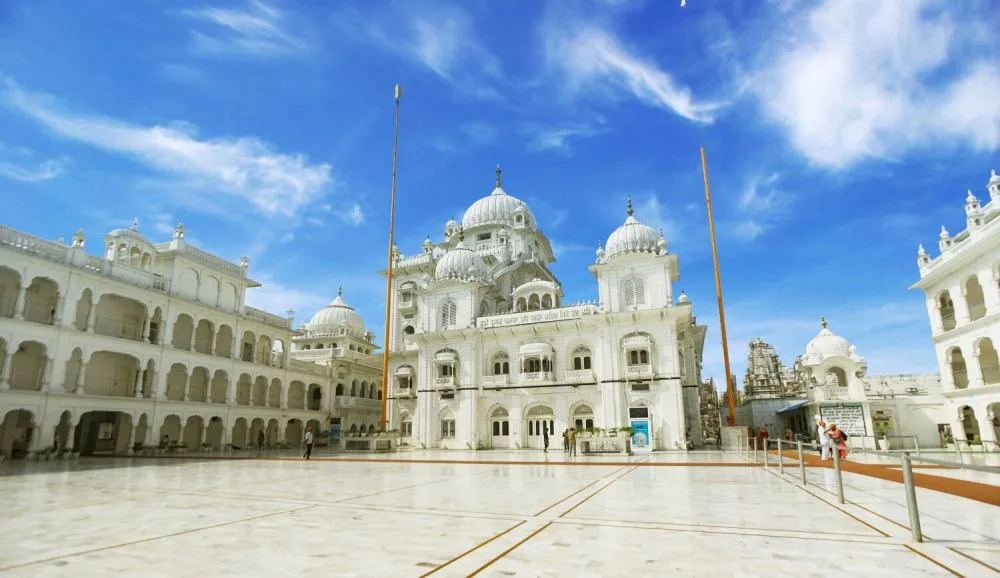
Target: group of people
(569, 440)
(831, 437)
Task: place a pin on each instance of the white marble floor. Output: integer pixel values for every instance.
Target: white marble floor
(699, 514)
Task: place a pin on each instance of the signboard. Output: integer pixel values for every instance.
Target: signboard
(849, 418)
(105, 430)
(640, 434)
(334, 433)
(536, 316)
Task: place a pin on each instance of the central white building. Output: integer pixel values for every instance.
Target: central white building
(483, 352)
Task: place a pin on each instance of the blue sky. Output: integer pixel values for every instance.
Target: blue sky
(840, 134)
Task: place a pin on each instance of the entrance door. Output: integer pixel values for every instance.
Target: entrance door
(642, 436)
(501, 434)
(539, 420)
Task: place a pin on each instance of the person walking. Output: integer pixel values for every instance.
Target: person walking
(545, 438)
(571, 440)
(260, 441)
(566, 441)
(764, 436)
(823, 434)
(309, 443)
(838, 441)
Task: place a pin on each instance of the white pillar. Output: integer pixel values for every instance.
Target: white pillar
(211, 348)
(187, 388)
(46, 374)
(7, 368)
(81, 379)
(57, 317)
(194, 329)
(974, 369)
(991, 294)
(137, 386)
(20, 301)
(92, 317)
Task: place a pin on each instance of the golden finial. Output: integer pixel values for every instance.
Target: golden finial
(822, 321)
(629, 205)
(340, 290)
(499, 172)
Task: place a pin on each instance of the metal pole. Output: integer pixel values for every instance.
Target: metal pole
(388, 274)
(765, 454)
(802, 465)
(730, 386)
(755, 450)
(916, 444)
(781, 461)
(911, 498)
(836, 471)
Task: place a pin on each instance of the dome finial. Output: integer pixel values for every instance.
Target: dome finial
(340, 290)
(461, 234)
(822, 321)
(499, 172)
(135, 224)
(629, 204)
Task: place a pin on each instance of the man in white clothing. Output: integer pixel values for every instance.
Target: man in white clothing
(823, 435)
(309, 443)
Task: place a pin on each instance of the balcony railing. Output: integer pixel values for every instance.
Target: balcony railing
(579, 375)
(536, 376)
(266, 318)
(444, 381)
(116, 328)
(643, 370)
(496, 379)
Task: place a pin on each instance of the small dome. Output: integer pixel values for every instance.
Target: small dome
(498, 208)
(944, 232)
(132, 232)
(458, 263)
(632, 237)
(994, 177)
(828, 344)
(683, 298)
(971, 198)
(334, 316)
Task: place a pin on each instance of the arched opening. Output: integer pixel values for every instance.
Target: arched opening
(10, 287)
(247, 345)
(260, 391)
(224, 341)
(220, 385)
(258, 434)
(354, 388)
(447, 420)
(946, 308)
(371, 429)
(988, 362)
(203, 337)
(274, 393)
(522, 305)
(297, 395)
(64, 431)
(583, 417)
(294, 432)
(176, 382)
(547, 301)
(273, 432)
(959, 373)
(198, 385)
(264, 344)
(112, 374)
(16, 433)
(183, 330)
(500, 364)
(339, 390)
(170, 432)
(581, 358)
(243, 387)
(539, 421)
(534, 303)
(315, 397)
(155, 327)
(74, 366)
(836, 376)
(141, 433)
(970, 425)
(147, 379)
(84, 306)
(240, 432)
(364, 389)
(119, 317)
(27, 366)
(406, 425)
(974, 298)
(214, 433)
(103, 432)
(193, 431)
(40, 301)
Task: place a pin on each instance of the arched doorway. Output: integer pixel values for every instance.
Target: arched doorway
(583, 417)
(16, 432)
(103, 432)
(500, 428)
(294, 433)
(215, 432)
(539, 420)
(970, 425)
(192, 432)
(257, 427)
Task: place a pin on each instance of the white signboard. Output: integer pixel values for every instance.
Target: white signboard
(849, 418)
(535, 316)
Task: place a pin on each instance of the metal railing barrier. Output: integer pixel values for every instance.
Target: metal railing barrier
(911, 490)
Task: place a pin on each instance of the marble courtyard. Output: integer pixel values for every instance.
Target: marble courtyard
(484, 513)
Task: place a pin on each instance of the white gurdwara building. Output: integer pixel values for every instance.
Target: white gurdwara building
(962, 286)
(484, 354)
(149, 342)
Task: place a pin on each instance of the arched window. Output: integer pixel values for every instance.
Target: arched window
(340, 389)
(484, 309)
(354, 388)
(581, 358)
(408, 330)
(947, 310)
(501, 364)
(449, 314)
(638, 357)
(364, 389)
(633, 292)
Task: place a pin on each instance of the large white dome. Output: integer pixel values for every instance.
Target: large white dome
(828, 344)
(633, 237)
(337, 314)
(498, 208)
(460, 263)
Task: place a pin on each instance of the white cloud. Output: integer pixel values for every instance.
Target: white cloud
(287, 237)
(354, 215)
(560, 249)
(276, 298)
(852, 80)
(245, 168)
(480, 132)
(759, 195)
(46, 171)
(442, 38)
(256, 30)
(759, 204)
(591, 57)
(653, 213)
(749, 229)
(557, 138)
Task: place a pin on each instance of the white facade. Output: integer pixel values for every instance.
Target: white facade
(148, 341)
(962, 286)
(484, 353)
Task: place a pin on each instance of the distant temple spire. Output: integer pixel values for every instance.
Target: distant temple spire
(822, 321)
(340, 290)
(499, 172)
(629, 211)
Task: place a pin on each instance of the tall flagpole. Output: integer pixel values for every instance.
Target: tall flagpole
(388, 276)
(718, 291)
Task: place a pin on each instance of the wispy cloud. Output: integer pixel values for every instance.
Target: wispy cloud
(479, 131)
(591, 57)
(46, 171)
(245, 168)
(650, 211)
(560, 250)
(442, 38)
(758, 205)
(274, 297)
(906, 75)
(557, 138)
(256, 30)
